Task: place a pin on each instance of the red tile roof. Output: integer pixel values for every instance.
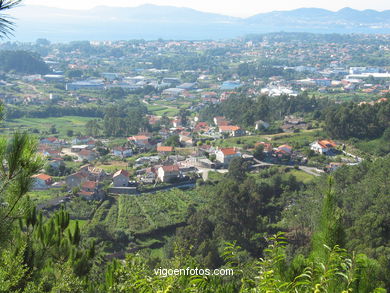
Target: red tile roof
(170, 168)
(42, 176)
(228, 151)
(89, 185)
(327, 143)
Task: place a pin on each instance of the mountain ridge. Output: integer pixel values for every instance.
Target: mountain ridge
(151, 21)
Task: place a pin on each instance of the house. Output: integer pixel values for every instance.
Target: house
(139, 140)
(220, 121)
(88, 155)
(232, 130)
(323, 146)
(165, 149)
(177, 122)
(122, 152)
(149, 175)
(285, 148)
(89, 186)
(174, 92)
(56, 162)
(261, 125)
(120, 178)
(42, 181)
(50, 141)
(168, 173)
(78, 148)
(76, 179)
(201, 127)
(226, 155)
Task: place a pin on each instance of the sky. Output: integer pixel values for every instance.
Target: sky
(239, 8)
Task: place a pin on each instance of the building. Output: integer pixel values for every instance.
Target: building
(226, 155)
(76, 179)
(78, 148)
(168, 173)
(174, 92)
(91, 85)
(323, 146)
(120, 178)
(139, 140)
(261, 125)
(42, 181)
(232, 130)
(88, 155)
(122, 152)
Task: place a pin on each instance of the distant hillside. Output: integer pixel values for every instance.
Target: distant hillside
(167, 22)
(22, 62)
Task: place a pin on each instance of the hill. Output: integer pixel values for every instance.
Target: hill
(168, 22)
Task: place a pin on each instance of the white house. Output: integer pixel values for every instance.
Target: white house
(226, 155)
(261, 124)
(168, 173)
(323, 146)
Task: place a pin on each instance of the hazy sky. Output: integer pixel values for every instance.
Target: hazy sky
(242, 8)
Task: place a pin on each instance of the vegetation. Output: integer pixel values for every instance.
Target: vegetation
(22, 62)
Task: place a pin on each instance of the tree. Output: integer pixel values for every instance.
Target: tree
(173, 140)
(115, 93)
(237, 169)
(6, 25)
(259, 152)
(70, 132)
(92, 128)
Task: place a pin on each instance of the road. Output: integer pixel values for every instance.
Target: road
(308, 170)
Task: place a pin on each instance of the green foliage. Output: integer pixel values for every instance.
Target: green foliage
(173, 140)
(359, 121)
(22, 62)
(124, 119)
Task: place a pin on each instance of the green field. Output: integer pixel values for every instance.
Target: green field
(43, 125)
(39, 196)
(162, 110)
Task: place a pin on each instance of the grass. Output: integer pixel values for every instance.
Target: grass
(43, 125)
(302, 176)
(72, 224)
(39, 196)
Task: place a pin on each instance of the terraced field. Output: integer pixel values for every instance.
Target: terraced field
(148, 212)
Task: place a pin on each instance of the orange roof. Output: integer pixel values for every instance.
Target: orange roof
(286, 146)
(42, 176)
(123, 172)
(327, 143)
(228, 151)
(165, 149)
(229, 127)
